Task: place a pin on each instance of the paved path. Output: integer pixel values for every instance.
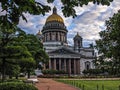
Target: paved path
(49, 84)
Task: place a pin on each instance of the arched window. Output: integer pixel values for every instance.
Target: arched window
(87, 65)
(78, 43)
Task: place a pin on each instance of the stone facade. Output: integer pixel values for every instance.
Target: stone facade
(71, 59)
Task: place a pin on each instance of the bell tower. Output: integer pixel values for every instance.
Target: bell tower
(77, 42)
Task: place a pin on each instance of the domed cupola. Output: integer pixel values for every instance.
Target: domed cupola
(77, 42)
(39, 36)
(54, 17)
(54, 29)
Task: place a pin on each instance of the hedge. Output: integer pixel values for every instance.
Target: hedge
(16, 86)
(51, 72)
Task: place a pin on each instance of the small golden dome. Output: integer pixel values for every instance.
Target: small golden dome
(55, 16)
(39, 33)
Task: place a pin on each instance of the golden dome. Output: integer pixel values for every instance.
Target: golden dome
(55, 17)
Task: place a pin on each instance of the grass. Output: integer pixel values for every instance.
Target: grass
(94, 84)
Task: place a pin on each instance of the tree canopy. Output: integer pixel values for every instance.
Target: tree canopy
(13, 41)
(109, 45)
(16, 8)
(21, 49)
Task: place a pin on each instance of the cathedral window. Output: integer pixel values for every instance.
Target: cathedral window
(87, 65)
(92, 53)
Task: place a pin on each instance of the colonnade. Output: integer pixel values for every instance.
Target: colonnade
(71, 66)
(55, 36)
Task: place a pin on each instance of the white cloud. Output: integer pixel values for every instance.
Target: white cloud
(89, 22)
(1, 11)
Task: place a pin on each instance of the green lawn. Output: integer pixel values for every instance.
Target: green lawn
(94, 84)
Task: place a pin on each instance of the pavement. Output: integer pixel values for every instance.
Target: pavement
(50, 84)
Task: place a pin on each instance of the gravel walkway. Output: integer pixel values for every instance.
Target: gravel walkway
(49, 84)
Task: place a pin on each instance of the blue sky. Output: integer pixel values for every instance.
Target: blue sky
(89, 22)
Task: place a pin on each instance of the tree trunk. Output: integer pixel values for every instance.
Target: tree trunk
(10, 76)
(28, 74)
(16, 76)
(3, 69)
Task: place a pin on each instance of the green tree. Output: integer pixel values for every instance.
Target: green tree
(15, 8)
(12, 70)
(36, 49)
(109, 45)
(27, 65)
(10, 50)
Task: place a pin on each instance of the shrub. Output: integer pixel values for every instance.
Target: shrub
(16, 86)
(92, 71)
(52, 72)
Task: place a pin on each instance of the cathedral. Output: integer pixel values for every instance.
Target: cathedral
(71, 59)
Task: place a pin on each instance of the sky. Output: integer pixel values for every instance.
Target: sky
(89, 22)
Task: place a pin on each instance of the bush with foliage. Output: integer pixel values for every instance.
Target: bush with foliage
(16, 86)
(53, 72)
(92, 71)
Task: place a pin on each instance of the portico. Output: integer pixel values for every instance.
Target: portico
(68, 65)
(66, 61)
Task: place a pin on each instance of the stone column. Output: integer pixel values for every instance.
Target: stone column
(78, 66)
(59, 64)
(54, 64)
(50, 64)
(49, 36)
(54, 36)
(62, 37)
(58, 36)
(65, 65)
(65, 37)
(75, 66)
(69, 66)
(45, 37)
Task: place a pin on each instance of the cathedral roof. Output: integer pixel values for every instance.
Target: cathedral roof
(54, 17)
(64, 52)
